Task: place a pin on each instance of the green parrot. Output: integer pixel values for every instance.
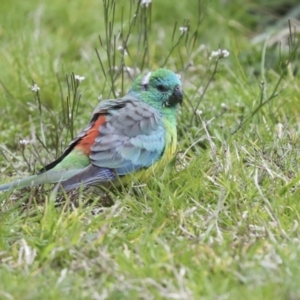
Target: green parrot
(135, 134)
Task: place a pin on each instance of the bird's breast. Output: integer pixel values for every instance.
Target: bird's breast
(169, 149)
(170, 142)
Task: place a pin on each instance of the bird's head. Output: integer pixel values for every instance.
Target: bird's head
(160, 89)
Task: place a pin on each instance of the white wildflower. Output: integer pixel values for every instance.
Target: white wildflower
(129, 70)
(225, 53)
(146, 2)
(183, 29)
(199, 112)
(23, 142)
(122, 50)
(224, 106)
(133, 72)
(100, 97)
(79, 78)
(35, 88)
(221, 53)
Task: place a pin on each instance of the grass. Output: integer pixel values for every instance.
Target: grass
(222, 221)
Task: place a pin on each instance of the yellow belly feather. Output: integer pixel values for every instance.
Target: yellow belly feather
(169, 151)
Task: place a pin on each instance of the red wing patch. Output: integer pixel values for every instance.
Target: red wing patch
(85, 143)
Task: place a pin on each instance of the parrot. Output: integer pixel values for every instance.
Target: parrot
(135, 134)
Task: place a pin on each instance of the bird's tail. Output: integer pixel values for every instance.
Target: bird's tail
(51, 176)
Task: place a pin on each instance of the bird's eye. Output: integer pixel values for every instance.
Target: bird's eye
(162, 88)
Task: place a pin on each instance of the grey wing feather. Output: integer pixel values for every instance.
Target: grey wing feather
(133, 137)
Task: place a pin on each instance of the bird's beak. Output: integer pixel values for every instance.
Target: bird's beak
(176, 97)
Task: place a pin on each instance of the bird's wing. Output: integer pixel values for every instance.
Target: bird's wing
(132, 137)
(123, 136)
